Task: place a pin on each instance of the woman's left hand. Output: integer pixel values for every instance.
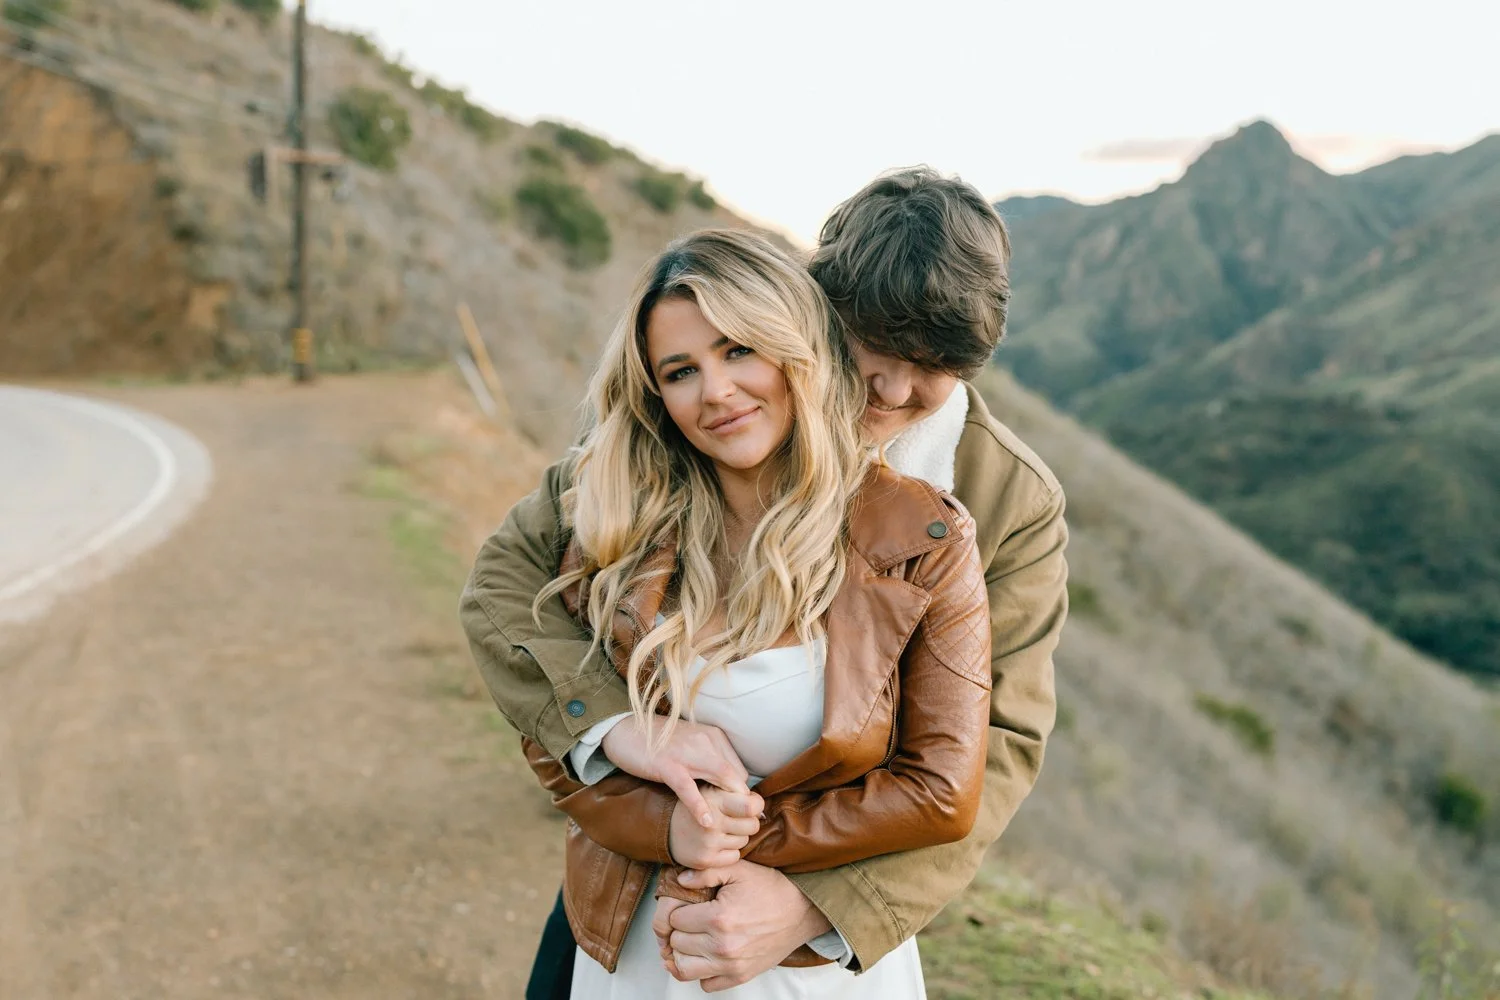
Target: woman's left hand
(733, 819)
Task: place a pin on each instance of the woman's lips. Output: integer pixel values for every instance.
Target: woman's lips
(733, 421)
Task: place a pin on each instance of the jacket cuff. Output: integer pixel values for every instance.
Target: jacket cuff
(857, 911)
(582, 702)
(832, 946)
(587, 761)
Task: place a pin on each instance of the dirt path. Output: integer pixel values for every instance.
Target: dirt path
(238, 768)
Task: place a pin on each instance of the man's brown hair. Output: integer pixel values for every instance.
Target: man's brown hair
(918, 266)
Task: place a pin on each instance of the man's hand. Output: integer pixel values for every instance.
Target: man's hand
(694, 753)
(758, 918)
(734, 817)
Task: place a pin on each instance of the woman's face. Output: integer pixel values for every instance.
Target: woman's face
(729, 402)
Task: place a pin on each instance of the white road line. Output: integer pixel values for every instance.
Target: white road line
(166, 478)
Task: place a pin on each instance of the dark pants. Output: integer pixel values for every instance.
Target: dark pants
(552, 970)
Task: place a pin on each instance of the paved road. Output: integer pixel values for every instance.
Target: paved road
(84, 486)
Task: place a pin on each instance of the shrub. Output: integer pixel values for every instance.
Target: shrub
(1299, 628)
(199, 5)
(1244, 722)
(563, 212)
(541, 156)
(33, 13)
(1454, 965)
(397, 73)
(1458, 804)
(487, 126)
(370, 126)
(662, 192)
(699, 196)
(363, 45)
(266, 10)
(457, 106)
(496, 207)
(1084, 599)
(585, 146)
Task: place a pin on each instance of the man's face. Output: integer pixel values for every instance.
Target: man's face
(899, 392)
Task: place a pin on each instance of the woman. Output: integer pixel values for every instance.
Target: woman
(749, 567)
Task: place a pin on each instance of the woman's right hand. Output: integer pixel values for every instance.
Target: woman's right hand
(694, 753)
(734, 819)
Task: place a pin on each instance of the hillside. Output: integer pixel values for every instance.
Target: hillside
(125, 130)
(1342, 389)
(1239, 751)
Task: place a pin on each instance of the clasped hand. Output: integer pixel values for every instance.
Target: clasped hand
(711, 822)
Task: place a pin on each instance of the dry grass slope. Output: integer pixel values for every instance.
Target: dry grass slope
(1327, 832)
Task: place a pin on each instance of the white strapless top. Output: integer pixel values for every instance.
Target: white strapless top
(770, 704)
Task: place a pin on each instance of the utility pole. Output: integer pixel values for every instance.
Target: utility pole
(301, 334)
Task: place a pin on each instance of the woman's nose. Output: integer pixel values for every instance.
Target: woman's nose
(716, 384)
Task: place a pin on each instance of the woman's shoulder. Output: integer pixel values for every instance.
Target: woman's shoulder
(897, 517)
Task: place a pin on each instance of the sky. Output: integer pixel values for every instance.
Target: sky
(786, 107)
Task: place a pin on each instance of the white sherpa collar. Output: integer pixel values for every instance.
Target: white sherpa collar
(926, 449)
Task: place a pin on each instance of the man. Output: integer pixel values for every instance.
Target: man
(917, 266)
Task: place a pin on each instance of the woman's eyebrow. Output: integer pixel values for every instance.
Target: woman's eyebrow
(672, 359)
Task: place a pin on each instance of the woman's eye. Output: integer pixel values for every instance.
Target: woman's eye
(739, 351)
(677, 374)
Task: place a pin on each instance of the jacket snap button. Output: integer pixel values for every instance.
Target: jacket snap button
(937, 529)
(575, 708)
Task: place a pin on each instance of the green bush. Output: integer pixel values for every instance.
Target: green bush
(199, 5)
(586, 147)
(541, 156)
(700, 197)
(487, 126)
(563, 212)
(662, 192)
(266, 10)
(397, 73)
(1243, 721)
(33, 13)
(1458, 804)
(457, 106)
(370, 126)
(1084, 600)
(363, 44)
(496, 207)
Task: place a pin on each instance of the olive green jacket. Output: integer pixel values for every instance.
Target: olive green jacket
(550, 688)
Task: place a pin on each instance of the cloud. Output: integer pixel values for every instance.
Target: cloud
(1342, 150)
(1148, 150)
(1334, 151)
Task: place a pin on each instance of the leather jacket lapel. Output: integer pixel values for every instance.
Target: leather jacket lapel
(868, 624)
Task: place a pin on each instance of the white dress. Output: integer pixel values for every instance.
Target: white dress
(770, 705)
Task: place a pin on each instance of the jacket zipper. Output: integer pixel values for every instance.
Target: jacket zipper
(890, 746)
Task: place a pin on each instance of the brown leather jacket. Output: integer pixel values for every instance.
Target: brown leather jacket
(900, 763)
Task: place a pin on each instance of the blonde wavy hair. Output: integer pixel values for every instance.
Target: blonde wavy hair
(639, 484)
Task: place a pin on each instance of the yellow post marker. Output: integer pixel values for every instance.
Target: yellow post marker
(302, 355)
(481, 356)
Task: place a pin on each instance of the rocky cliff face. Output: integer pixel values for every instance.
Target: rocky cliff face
(91, 277)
